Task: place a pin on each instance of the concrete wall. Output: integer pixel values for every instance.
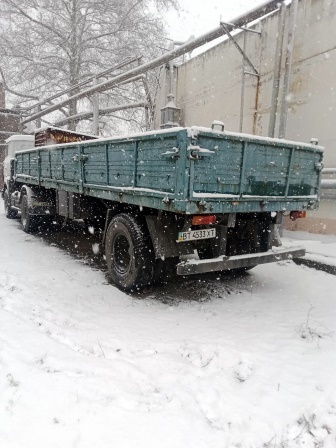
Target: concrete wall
(208, 87)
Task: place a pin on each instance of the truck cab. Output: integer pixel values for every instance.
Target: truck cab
(13, 144)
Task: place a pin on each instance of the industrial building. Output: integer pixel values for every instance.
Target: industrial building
(282, 86)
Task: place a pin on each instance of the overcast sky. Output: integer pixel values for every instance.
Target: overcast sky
(200, 16)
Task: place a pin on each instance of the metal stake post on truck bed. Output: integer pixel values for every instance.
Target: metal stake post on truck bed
(164, 194)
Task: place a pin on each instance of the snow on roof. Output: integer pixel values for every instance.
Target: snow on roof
(55, 128)
(21, 137)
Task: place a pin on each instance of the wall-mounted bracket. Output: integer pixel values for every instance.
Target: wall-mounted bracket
(232, 25)
(241, 51)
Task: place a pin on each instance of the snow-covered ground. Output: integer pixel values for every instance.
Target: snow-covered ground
(320, 248)
(209, 361)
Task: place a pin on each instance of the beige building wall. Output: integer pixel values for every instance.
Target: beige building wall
(209, 86)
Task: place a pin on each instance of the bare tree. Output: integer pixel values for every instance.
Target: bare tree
(47, 46)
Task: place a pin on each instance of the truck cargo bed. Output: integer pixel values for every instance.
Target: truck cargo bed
(183, 170)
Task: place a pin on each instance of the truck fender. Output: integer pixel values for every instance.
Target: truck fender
(27, 191)
(39, 203)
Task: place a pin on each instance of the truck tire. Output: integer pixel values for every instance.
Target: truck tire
(28, 221)
(9, 212)
(129, 252)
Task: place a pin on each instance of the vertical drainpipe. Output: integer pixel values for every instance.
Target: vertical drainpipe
(277, 71)
(288, 69)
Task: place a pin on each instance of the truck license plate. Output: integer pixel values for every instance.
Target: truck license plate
(203, 234)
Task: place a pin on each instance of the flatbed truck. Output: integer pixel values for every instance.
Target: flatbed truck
(181, 200)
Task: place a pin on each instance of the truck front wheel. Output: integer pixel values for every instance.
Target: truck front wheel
(9, 212)
(129, 252)
(28, 221)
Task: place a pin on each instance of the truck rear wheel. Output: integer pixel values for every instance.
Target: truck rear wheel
(9, 212)
(129, 252)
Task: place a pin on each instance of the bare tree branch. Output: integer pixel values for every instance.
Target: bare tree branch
(13, 91)
(48, 46)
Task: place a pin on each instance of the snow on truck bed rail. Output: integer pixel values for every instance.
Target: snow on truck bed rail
(192, 132)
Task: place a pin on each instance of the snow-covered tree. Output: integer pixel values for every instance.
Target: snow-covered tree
(47, 46)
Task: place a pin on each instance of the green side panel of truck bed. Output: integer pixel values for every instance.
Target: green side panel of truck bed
(185, 170)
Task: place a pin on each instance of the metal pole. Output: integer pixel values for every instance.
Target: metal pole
(288, 70)
(82, 83)
(85, 115)
(242, 98)
(179, 51)
(38, 121)
(277, 71)
(171, 73)
(147, 119)
(95, 109)
(8, 133)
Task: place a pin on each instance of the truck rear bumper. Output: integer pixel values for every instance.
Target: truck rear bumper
(224, 263)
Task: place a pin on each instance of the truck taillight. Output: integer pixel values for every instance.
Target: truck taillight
(201, 220)
(295, 215)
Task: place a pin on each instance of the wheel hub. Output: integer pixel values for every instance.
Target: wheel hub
(122, 253)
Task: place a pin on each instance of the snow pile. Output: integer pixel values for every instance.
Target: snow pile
(320, 248)
(211, 361)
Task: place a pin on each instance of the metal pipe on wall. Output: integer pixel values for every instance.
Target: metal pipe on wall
(82, 83)
(288, 69)
(328, 184)
(242, 20)
(277, 71)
